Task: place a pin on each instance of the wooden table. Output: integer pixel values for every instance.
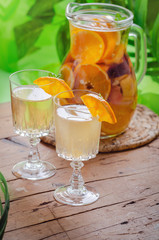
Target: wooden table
(128, 183)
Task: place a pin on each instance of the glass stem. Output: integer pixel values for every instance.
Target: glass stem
(34, 156)
(76, 179)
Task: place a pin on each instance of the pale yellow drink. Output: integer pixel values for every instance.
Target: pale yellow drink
(32, 110)
(77, 133)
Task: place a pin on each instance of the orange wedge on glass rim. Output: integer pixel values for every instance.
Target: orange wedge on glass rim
(53, 86)
(98, 107)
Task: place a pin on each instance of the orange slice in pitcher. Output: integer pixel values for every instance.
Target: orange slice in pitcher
(128, 86)
(111, 40)
(53, 86)
(87, 46)
(99, 107)
(67, 74)
(110, 37)
(117, 55)
(92, 77)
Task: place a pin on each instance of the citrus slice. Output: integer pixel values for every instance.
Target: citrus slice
(128, 86)
(111, 40)
(116, 56)
(67, 74)
(53, 86)
(74, 29)
(92, 77)
(99, 107)
(110, 37)
(87, 46)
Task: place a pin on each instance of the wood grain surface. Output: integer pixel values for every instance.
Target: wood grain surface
(128, 183)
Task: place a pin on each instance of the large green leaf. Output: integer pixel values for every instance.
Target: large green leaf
(7, 11)
(63, 41)
(140, 12)
(42, 10)
(155, 38)
(26, 35)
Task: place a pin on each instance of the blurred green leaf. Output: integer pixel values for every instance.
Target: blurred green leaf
(62, 41)
(129, 4)
(155, 38)
(1, 207)
(26, 35)
(153, 10)
(119, 2)
(42, 10)
(7, 11)
(150, 100)
(140, 12)
(80, 1)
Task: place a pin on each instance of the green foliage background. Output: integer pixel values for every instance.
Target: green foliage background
(35, 34)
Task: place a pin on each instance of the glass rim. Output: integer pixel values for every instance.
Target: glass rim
(121, 24)
(31, 70)
(56, 98)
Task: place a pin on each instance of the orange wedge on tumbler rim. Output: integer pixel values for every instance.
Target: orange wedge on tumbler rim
(53, 86)
(99, 107)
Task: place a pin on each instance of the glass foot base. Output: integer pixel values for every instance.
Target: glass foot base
(34, 171)
(66, 195)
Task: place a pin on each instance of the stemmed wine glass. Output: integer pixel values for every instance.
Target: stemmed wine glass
(77, 136)
(32, 113)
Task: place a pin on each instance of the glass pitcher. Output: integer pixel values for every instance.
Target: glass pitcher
(98, 59)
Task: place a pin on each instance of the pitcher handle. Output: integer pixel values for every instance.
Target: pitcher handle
(140, 51)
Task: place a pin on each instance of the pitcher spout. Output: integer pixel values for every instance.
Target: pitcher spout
(71, 9)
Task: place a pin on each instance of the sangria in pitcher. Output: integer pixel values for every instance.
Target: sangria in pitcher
(98, 59)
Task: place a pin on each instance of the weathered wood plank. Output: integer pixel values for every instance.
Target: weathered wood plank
(114, 191)
(35, 232)
(125, 190)
(135, 220)
(110, 222)
(60, 236)
(37, 209)
(6, 126)
(103, 167)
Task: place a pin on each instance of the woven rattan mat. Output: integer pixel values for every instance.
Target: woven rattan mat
(144, 127)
